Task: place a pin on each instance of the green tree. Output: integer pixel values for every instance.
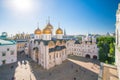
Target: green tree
(102, 56)
(106, 49)
(112, 50)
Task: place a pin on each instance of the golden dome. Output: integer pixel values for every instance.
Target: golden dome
(59, 31)
(47, 31)
(49, 26)
(37, 31)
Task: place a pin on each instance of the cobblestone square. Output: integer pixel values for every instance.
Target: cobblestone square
(74, 68)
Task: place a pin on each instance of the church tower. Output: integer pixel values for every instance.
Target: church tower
(118, 26)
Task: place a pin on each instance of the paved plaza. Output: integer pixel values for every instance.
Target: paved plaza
(74, 68)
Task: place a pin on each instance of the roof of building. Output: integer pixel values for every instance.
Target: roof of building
(57, 48)
(7, 42)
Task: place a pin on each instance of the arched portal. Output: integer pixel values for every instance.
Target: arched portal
(87, 56)
(94, 57)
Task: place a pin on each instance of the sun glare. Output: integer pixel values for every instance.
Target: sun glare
(20, 5)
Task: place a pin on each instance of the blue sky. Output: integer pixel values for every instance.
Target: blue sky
(75, 16)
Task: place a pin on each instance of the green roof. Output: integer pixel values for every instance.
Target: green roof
(7, 42)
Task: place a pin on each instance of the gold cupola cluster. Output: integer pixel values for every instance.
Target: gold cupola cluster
(48, 30)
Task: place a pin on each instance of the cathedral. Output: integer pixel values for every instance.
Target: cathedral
(49, 51)
(45, 50)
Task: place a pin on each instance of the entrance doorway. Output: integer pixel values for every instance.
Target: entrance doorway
(87, 56)
(94, 57)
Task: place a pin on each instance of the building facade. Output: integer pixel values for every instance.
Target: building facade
(49, 52)
(22, 40)
(21, 45)
(117, 47)
(85, 48)
(8, 51)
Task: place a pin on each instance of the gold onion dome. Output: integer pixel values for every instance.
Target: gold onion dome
(49, 26)
(37, 31)
(59, 31)
(47, 31)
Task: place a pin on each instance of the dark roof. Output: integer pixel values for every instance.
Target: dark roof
(77, 42)
(44, 41)
(35, 48)
(51, 50)
(57, 48)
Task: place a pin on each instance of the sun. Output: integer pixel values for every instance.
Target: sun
(20, 5)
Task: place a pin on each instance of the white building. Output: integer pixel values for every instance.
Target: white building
(86, 48)
(48, 51)
(117, 47)
(8, 52)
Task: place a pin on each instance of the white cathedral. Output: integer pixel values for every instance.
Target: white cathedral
(48, 51)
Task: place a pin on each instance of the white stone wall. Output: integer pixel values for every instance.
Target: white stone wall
(51, 59)
(56, 58)
(82, 49)
(8, 57)
(117, 52)
(37, 36)
(46, 36)
(59, 36)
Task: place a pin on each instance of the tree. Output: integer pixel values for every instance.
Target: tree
(112, 50)
(102, 56)
(106, 49)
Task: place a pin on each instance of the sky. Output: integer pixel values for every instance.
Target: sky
(75, 16)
